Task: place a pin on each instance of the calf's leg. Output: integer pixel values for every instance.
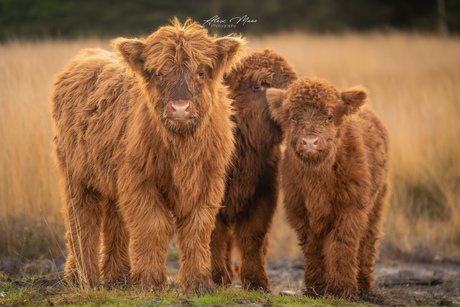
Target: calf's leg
(251, 240)
(83, 221)
(312, 246)
(341, 253)
(368, 247)
(115, 260)
(194, 236)
(150, 226)
(221, 245)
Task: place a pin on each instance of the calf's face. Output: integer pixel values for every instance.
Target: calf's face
(249, 81)
(311, 112)
(179, 69)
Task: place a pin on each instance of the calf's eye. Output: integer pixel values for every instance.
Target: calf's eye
(258, 87)
(201, 73)
(329, 118)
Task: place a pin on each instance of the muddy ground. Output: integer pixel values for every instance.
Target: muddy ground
(400, 283)
(397, 284)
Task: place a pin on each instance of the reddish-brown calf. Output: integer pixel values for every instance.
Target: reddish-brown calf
(143, 141)
(252, 184)
(334, 177)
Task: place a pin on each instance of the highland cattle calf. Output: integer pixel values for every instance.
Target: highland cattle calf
(334, 178)
(143, 141)
(252, 184)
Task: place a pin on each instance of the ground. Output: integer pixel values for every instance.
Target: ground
(398, 284)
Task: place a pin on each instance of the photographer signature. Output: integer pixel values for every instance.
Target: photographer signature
(235, 20)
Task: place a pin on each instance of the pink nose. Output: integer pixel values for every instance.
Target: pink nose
(310, 143)
(180, 108)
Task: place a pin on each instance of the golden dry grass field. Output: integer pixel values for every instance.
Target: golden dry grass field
(414, 84)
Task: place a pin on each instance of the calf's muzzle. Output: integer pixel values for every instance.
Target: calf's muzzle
(310, 143)
(180, 110)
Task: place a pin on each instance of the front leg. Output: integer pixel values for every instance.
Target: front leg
(115, 263)
(150, 227)
(252, 241)
(221, 252)
(310, 242)
(341, 253)
(314, 264)
(194, 236)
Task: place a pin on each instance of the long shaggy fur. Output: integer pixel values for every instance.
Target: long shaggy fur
(334, 198)
(130, 175)
(252, 185)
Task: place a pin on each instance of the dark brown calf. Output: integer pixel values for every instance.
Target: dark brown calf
(252, 185)
(334, 177)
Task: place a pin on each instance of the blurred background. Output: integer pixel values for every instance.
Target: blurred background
(82, 18)
(407, 53)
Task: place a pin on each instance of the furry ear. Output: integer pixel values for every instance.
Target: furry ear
(131, 53)
(230, 50)
(353, 99)
(275, 98)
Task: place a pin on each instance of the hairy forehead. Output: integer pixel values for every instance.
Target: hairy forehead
(308, 109)
(266, 66)
(173, 47)
(313, 93)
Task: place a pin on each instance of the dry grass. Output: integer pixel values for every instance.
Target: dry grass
(31, 221)
(414, 85)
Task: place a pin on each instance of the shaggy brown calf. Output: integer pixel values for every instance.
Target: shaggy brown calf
(143, 141)
(334, 177)
(252, 186)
